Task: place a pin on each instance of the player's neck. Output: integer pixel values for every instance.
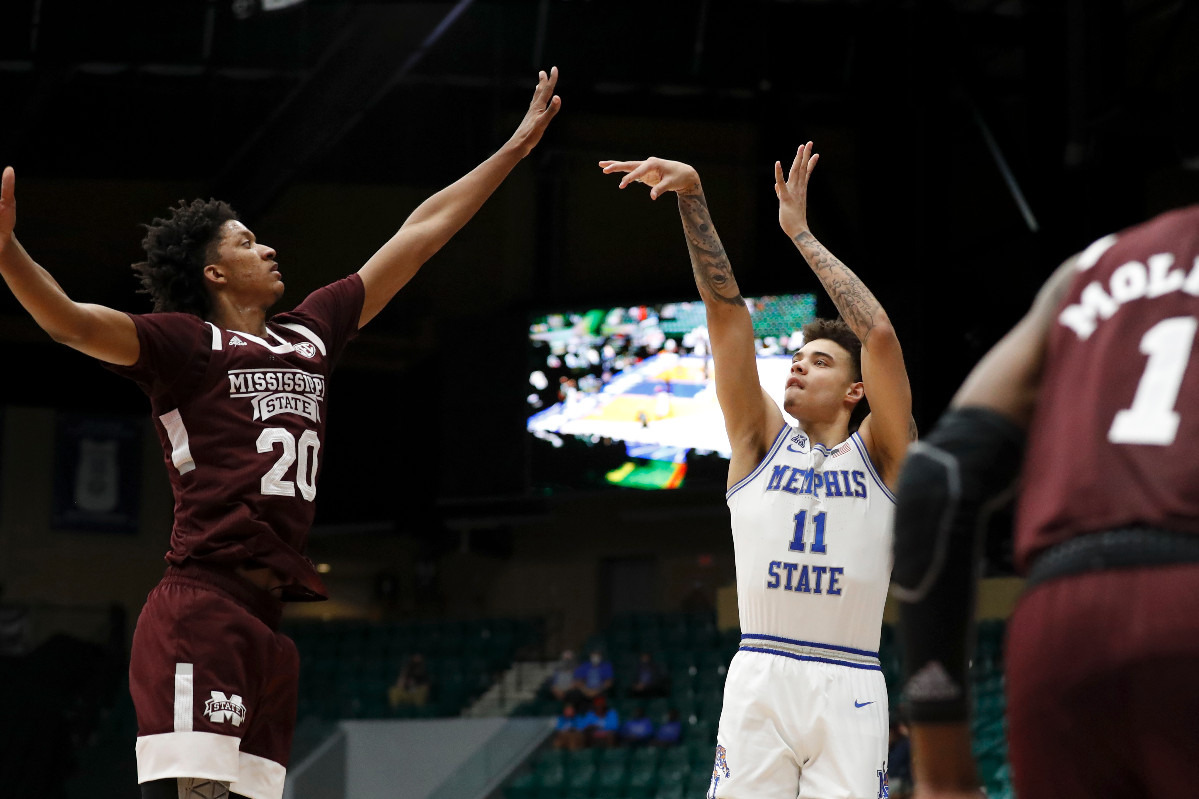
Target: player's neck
(246, 319)
(826, 434)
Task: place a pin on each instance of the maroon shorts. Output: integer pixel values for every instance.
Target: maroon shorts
(213, 683)
(1103, 685)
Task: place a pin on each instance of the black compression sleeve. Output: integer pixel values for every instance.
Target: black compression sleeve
(951, 483)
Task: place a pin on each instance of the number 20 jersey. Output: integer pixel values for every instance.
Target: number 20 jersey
(1112, 441)
(812, 540)
(241, 420)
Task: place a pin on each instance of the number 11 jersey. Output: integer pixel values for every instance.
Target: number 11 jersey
(241, 420)
(812, 540)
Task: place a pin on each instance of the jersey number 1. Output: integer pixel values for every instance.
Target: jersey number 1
(1152, 418)
(305, 451)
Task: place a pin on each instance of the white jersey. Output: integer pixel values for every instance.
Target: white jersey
(812, 540)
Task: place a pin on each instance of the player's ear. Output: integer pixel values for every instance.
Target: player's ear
(856, 391)
(214, 273)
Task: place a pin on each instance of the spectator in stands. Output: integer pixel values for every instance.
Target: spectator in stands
(594, 677)
(669, 732)
(601, 724)
(412, 686)
(649, 680)
(562, 681)
(899, 761)
(568, 734)
(637, 730)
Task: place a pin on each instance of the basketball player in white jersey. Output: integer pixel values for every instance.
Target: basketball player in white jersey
(805, 704)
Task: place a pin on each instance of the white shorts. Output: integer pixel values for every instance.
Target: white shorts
(796, 728)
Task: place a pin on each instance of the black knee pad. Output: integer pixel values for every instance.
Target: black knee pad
(951, 484)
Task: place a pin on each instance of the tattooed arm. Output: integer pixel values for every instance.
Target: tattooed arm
(751, 417)
(888, 429)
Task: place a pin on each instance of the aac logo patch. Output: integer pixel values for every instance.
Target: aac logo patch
(223, 708)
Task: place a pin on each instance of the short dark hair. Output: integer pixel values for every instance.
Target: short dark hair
(837, 330)
(177, 249)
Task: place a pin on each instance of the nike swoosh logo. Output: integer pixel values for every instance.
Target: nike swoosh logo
(792, 449)
(861, 704)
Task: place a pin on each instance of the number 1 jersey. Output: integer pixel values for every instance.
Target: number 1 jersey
(1112, 440)
(241, 420)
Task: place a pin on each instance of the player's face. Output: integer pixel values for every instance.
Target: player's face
(249, 267)
(820, 382)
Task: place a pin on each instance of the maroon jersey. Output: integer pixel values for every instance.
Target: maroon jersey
(1117, 420)
(241, 420)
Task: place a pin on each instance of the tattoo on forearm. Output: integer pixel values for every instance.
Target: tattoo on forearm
(709, 261)
(856, 304)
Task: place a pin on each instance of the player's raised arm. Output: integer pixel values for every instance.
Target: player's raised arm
(888, 429)
(751, 417)
(95, 330)
(438, 218)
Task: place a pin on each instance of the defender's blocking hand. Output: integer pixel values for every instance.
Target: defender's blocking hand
(543, 107)
(793, 192)
(658, 173)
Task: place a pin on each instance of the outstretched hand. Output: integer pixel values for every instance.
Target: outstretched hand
(8, 204)
(793, 192)
(542, 109)
(658, 173)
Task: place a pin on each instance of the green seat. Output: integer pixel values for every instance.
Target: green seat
(674, 767)
(580, 759)
(551, 758)
(609, 758)
(700, 753)
(704, 731)
(671, 791)
(581, 777)
(645, 757)
(525, 786)
(639, 791)
(700, 782)
(611, 778)
(656, 709)
(551, 777)
(674, 756)
(643, 779)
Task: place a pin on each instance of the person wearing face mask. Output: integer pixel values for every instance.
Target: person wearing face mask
(594, 677)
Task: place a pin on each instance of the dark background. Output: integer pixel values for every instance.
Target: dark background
(968, 146)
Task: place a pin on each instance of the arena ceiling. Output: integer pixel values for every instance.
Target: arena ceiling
(249, 100)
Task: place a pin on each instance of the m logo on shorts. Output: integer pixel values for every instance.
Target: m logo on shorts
(223, 708)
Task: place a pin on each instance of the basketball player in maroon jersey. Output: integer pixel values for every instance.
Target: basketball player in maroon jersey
(240, 402)
(1102, 648)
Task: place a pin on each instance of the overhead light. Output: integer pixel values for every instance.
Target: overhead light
(244, 9)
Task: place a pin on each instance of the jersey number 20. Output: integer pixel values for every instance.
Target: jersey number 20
(304, 451)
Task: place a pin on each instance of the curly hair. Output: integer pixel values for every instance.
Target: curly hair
(177, 248)
(838, 331)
